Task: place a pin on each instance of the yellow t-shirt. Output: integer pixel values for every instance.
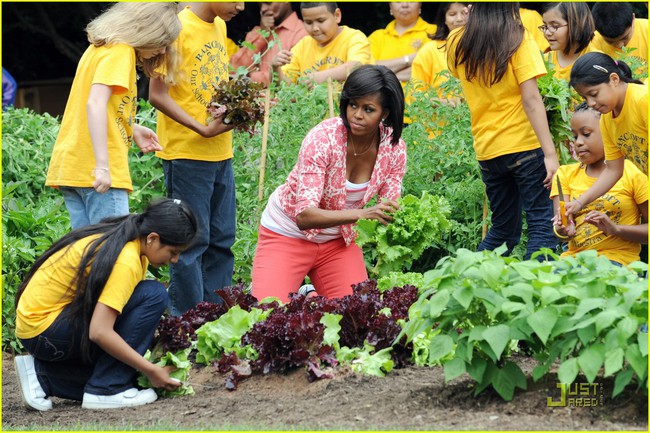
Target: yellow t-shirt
(429, 62)
(564, 72)
(203, 48)
(620, 204)
(499, 124)
(231, 47)
(532, 20)
(309, 57)
(73, 159)
(639, 41)
(627, 135)
(387, 44)
(50, 291)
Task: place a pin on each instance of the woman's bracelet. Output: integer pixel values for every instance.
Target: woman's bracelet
(563, 237)
(407, 60)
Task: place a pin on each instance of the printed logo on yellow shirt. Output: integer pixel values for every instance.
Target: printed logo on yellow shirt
(127, 103)
(323, 64)
(210, 62)
(632, 146)
(588, 234)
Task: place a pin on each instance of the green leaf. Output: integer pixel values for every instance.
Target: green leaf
(491, 271)
(568, 371)
(441, 346)
(587, 305)
(464, 296)
(613, 361)
(332, 328)
(454, 368)
(498, 338)
(476, 368)
(542, 322)
(605, 318)
(642, 338)
(622, 380)
(591, 359)
(438, 304)
(507, 379)
(638, 362)
(627, 326)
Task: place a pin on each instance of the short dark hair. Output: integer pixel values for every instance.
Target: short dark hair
(580, 24)
(612, 19)
(594, 68)
(584, 107)
(371, 79)
(331, 6)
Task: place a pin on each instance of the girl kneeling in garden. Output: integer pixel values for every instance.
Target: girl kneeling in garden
(611, 223)
(307, 226)
(86, 315)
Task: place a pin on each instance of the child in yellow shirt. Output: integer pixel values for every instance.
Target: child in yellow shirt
(330, 51)
(611, 223)
(607, 86)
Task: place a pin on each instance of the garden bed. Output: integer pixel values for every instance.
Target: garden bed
(407, 399)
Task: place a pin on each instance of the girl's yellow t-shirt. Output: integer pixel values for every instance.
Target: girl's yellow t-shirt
(73, 159)
(564, 72)
(429, 62)
(49, 291)
(627, 135)
(620, 204)
(387, 44)
(308, 56)
(499, 124)
(204, 54)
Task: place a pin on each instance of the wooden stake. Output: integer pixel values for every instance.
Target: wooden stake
(265, 139)
(330, 96)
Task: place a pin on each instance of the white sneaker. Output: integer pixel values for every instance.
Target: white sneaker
(128, 398)
(306, 289)
(31, 390)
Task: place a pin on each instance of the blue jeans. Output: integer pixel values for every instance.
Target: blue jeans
(514, 182)
(86, 206)
(209, 189)
(57, 351)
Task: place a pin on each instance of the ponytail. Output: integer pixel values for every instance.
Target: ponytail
(172, 220)
(594, 68)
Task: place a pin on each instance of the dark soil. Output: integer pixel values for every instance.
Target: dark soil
(407, 399)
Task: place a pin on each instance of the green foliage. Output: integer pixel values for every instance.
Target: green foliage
(559, 99)
(418, 224)
(182, 366)
(583, 312)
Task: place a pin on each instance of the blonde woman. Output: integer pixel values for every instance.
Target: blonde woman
(89, 161)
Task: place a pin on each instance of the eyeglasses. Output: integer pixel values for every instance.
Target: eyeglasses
(551, 28)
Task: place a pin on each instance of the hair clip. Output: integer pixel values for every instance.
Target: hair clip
(177, 201)
(601, 69)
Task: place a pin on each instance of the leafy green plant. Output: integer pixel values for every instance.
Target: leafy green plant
(582, 311)
(417, 224)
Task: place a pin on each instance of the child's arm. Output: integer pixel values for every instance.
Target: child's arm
(103, 334)
(635, 233)
(160, 99)
(534, 108)
(562, 231)
(145, 139)
(607, 179)
(339, 73)
(96, 109)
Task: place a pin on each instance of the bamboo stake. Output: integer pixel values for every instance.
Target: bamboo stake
(265, 138)
(330, 96)
(485, 214)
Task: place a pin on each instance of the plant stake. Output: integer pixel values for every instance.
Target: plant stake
(265, 138)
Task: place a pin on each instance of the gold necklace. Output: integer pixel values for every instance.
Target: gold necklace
(354, 148)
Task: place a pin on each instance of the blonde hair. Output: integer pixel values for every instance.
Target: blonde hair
(148, 26)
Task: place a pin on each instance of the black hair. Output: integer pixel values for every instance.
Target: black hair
(584, 107)
(580, 24)
(171, 219)
(331, 6)
(442, 30)
(612, 19)
(594, 68)
(371, 79)
(492, 35)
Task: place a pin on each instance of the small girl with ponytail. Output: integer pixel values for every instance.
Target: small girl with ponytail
(86, 315)
(608, 87)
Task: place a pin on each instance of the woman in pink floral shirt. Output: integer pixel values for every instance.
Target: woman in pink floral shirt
(306, 228)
